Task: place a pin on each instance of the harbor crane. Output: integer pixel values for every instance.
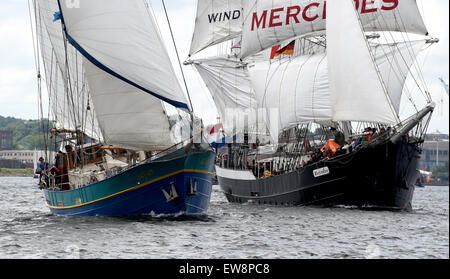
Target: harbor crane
(444, 84)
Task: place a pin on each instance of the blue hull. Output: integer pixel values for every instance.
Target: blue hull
(178, 186)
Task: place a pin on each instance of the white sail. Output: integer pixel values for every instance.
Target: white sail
(357, 91)
(229, 83)
(121, 38)
(299, 87)
(129, 117)
(64, 75)
(269, 22)
(394, 62)
(217, 21)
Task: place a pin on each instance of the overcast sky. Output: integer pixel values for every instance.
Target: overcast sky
(18, 90)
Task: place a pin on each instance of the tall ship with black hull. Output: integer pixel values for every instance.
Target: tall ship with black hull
(322, 87)
(116, 114)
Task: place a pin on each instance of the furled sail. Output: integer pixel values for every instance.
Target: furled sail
(64, 75)
(299, 87)
(269, 22)
(121, 38)
(217, 21)
(357, 89)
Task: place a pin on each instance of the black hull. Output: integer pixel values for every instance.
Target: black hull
(379, 175)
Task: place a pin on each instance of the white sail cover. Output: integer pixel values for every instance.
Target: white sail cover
(269, 22)
(122, 38)
(357, 90)
(129, 118)
(217, 21)
(299, 87)
(229, 83)
(64, 75)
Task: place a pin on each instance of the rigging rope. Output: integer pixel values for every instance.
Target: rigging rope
(179, 60)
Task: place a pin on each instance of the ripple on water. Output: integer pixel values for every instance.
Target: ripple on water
(28, 230)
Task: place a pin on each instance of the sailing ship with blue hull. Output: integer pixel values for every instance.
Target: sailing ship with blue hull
(321, 86)
(122, 124)
(164, 186)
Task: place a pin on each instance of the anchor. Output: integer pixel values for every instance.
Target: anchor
(172, 195)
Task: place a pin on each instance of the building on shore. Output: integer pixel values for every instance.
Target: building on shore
(435, 152)
(19, 159)
(6, 140)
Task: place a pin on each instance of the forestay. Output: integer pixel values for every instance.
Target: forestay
(269, 22)
(122, 38)
(299, 87)
(217, 21)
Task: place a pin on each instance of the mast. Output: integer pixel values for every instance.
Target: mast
(128, 70)
(380, 79)
(306, 86)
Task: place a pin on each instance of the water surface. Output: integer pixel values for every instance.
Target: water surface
(236, 231)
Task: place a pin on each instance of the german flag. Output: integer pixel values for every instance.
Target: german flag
(287, 50)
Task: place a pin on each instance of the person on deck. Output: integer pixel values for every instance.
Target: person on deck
(330, 148)
(368, 133)
(357, 142)
(43, 168)
(62, 171)
(339, 138)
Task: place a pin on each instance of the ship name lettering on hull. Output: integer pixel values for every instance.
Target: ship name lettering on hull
(321, 172)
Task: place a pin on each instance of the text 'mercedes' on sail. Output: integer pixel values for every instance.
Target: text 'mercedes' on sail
(122, 38)
(217, 21)
(269, 22)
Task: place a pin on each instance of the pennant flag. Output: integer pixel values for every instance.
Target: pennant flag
(213, 133)
(238, 45)
(287, 50)
(57, 16)
(214, 129)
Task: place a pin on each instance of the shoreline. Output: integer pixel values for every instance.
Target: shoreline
(16, 172)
